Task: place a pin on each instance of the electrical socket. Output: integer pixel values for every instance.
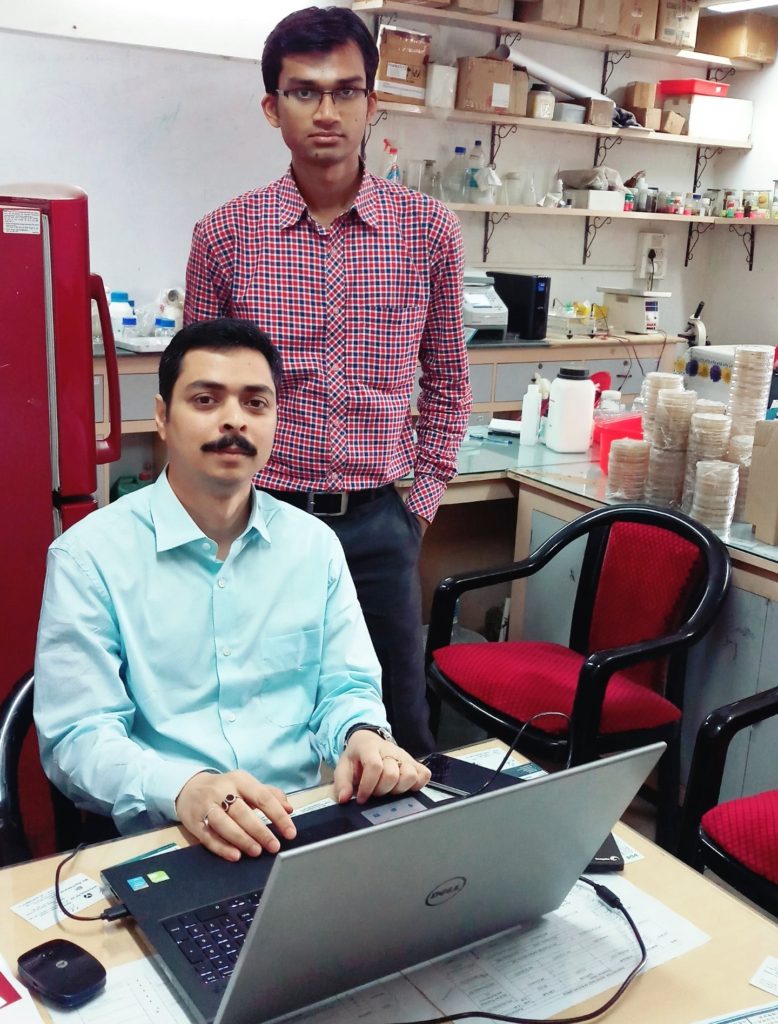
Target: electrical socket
(646, 242)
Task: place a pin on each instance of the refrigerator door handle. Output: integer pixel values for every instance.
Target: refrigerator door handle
(110, 448)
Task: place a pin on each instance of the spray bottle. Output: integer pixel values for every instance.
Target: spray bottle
(392, 166)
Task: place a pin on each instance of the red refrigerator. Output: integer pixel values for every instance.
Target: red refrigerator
(48, 453)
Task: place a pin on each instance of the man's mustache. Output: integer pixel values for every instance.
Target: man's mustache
(230, 441)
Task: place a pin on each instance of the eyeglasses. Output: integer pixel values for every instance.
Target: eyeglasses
(312, 97)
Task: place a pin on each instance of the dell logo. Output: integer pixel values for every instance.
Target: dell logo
(446, 891)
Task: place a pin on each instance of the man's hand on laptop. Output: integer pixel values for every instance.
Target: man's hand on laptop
(373, 766)
(221, 810)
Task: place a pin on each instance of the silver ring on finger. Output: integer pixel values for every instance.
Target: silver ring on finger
(228, 801)
(204, 818)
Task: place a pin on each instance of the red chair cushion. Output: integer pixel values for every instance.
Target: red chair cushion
(521, 678)
(646, 577)
(747, 829)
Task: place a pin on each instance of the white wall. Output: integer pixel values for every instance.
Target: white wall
(158, 137)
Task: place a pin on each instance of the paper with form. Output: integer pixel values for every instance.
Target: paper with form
(577, 952)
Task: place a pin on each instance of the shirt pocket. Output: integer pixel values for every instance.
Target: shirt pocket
(289, 676)
(383, 347)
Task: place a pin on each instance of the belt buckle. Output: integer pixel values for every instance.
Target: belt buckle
(311, 502)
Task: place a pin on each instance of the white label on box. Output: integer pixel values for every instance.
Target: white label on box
(501, 95)
(392, 88)
(21, 222)
(397, 71)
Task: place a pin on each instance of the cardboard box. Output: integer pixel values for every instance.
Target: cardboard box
(648, 117)
(762, 494)
(671, 122)
(676, 23)
(563, 13)
(599, 112)
(484, 85)
(714, 117)
(600, 16)
(639, 94)
(477, 6)
(637, 20)
(749, 34)
(519, 93)
(402, 65)
(427, 3)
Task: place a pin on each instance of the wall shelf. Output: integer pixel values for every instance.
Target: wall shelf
(529, 211)
(535, 124)
(550, 34)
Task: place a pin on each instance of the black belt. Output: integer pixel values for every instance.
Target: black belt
(330, 503)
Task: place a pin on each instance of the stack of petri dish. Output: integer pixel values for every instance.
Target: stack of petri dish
(740, 449)
(653, 383)
(667, 461)
(709, 434)
(710, 405)
(627, 469)
(715, 491)
(749, 386)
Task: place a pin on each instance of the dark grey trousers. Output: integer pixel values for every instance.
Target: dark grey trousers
(382, 541)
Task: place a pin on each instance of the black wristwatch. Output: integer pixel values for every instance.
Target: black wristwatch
(378, 729)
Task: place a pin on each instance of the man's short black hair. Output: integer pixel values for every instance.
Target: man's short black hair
(217, 335)
(317, 30)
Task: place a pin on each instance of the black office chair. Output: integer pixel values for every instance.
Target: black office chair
(737, 839)
(71, 825)
(651, 584)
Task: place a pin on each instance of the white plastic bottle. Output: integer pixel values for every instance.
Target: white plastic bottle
(454, 176)
(118, 308)
(476, 161)
(530, 415)
(129, 328)
(570, 411)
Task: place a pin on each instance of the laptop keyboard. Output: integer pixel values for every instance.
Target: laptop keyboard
(211, 937)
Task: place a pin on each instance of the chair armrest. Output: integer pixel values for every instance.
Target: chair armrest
(15, 723)
(709, 758)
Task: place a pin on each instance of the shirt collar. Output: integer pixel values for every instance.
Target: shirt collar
(174, 527)
(293, 207)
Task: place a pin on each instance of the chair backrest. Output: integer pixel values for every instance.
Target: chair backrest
(15, 722)
(639, 581)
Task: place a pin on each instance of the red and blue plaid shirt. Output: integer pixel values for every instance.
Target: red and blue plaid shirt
(353, 309)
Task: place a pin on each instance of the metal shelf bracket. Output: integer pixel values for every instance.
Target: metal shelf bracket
(499, 133)
(491, 220)
(611, 60)
(380, 116)
(719, 74)
(509, 39)
(603, 146)
(692, 238)
(704, 155)
(591, 226)
(748, 238)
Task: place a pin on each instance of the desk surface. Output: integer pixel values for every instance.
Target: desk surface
(710, 980)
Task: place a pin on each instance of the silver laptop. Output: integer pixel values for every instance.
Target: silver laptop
(361, 906)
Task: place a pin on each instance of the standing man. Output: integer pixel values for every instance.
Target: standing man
(357, 280)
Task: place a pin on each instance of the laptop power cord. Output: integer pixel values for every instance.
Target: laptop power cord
(610, 899)
(514, 742)
(113, 913)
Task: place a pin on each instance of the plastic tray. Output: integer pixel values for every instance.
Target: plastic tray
(691, 87)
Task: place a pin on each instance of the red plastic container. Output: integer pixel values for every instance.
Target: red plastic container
(691, 87)
(627, 426)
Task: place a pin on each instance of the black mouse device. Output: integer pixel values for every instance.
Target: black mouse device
(62, 972)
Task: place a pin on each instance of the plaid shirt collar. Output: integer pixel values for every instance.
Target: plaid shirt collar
(366, 205)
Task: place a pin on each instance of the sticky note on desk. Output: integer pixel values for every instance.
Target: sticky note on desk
(766, 977)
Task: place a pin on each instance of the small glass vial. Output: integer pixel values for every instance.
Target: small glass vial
(541, 102)
(629, 201)
(129, 327)
(164, 328)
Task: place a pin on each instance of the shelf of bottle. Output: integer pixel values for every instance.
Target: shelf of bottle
(537, 124)
(568, 211)
(552, 34)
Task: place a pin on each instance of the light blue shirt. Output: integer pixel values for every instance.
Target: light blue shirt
(156, 661)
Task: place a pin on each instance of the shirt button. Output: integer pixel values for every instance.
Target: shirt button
(232, 717)
(221, 584)
(206, 546)
(226, 652)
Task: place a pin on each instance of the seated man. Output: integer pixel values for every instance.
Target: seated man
(201, 643)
